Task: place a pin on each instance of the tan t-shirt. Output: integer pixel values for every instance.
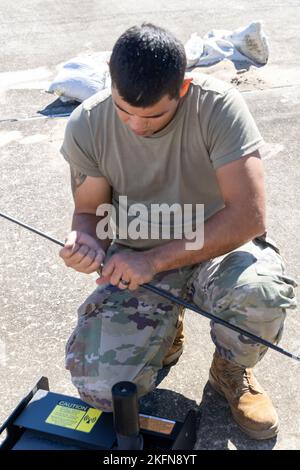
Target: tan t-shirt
(212, 127)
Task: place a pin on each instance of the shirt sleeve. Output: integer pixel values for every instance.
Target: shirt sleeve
(78, 144)
(231, 132)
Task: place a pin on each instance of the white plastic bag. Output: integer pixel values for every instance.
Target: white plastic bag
(81, 77)
(248, 43)
(193, 49)
(250, 40)
(216, 49)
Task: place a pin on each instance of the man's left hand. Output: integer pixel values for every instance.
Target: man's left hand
(132, 268)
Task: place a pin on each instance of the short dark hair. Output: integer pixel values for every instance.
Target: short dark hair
(147, 63)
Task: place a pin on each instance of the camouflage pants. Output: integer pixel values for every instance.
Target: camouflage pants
(124, 335)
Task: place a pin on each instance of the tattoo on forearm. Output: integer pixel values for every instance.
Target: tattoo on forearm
(77, 179)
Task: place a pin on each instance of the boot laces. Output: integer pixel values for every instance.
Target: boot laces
(239, 377)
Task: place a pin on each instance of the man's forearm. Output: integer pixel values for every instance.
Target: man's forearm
(223, 232)
(87, 223)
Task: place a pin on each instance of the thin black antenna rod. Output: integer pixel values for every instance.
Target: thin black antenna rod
(215, 319)
(32, 229)
(173, 298)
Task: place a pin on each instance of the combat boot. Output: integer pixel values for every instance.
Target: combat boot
(176, 349)
(251, 407)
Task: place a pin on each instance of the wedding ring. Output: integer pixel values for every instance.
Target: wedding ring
(125, 283)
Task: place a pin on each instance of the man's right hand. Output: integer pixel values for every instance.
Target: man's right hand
(82, 252)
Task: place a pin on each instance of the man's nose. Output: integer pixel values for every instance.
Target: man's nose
(137, 123)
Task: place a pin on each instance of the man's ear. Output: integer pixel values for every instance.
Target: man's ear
(185, 87)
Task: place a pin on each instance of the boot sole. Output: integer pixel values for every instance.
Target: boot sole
(258, 435)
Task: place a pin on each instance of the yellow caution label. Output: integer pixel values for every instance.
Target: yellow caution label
(89, 420)
(74, 416)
